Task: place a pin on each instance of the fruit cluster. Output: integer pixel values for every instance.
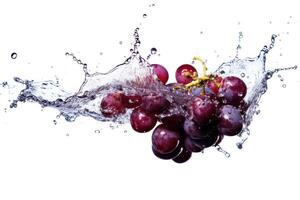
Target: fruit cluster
(215, 109)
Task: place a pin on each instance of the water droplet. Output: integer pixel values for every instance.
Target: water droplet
(153, 50)
(144, 15)
(284, 85)
(14, 55)
(257, 112)
(97, 131)
(239, 145)
(281, 79)
(54, 122)
(242, 75)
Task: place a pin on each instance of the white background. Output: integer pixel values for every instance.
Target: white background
(40, 160)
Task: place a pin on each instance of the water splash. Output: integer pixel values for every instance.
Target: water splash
(135, 76)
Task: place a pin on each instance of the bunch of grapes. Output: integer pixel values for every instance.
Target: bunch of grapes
(215, 108)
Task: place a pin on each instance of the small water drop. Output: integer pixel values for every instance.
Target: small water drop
(14, 55)
(97, 131)
(239, 145)
(257, 112)
(242, 75)
(284, 85)
(281, 79)
(153, 50)
(144, 15)
(54, 122)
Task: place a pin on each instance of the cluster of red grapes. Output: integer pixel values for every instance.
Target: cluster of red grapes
(215, 109)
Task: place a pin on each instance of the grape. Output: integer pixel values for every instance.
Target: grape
(132, 101)
(161, 73)
(210, 138)
(232, 90)
(154, 103)
(192, 129)
(183, 156)
(172, 117)
(180, 73)
(167, 156)
(230, 120)
(164, 139)
(173, 120)
(142, 121)
(112, 104)
(219, 139)
(202, 110)
(243, 107)
(191, 145)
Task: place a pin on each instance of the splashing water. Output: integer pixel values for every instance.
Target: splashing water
(139, 79)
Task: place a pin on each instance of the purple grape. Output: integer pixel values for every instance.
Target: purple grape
(167, 156)
(172, 117)
(232, 90)
(132, 101)
(180, 73)
(191, 145)
(173, 121)
(112, 104)
(154, 103)
(219, 140)
(210, 138)
(183, 156)
(161, 73)
(230, 120)
(142, 121)
(202, 110)
(164, 139)
(192, 129)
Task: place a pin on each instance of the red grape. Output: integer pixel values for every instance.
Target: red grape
(190, 145)
(183, 156)
(112, 104)
(132, 101)
(142, 121)
(230, 120)
(181, 71)
(154, 103)
(202, 110)
(210, 138)
(164, 139)
(167, 156)
(232, 90)
(161, 73)
(192, 129)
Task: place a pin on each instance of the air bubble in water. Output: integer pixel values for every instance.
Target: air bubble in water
(284, 85)
(54, 122)
(97, 131)
(14, 55)
(242, 75)
(144, 15)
